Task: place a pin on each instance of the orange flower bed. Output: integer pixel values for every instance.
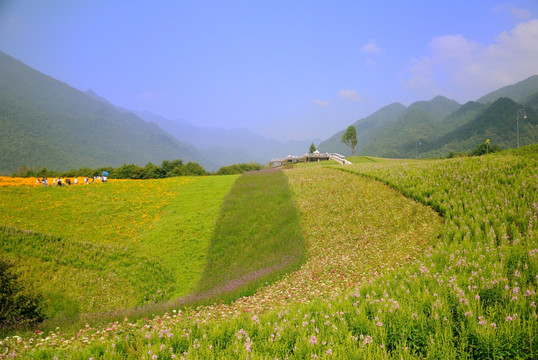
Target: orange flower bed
(17, 181)
(32, 181)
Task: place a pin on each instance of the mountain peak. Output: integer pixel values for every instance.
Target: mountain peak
(439, 107)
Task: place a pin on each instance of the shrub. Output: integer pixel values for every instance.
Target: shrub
(485, 148)
(18, 306)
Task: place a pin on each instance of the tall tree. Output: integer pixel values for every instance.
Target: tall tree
(350, 138)
(312, 148)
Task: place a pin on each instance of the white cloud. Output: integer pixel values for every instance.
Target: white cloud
(466, 70)
(371, 47)
(351, 95)
(322, 103)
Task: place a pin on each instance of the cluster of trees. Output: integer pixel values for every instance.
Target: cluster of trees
(126, 171)
(238, 169)
(150, 171)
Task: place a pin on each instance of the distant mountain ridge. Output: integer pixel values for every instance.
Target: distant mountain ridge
(47, 123)
(229, 146)
(517, 92)
(439, 126)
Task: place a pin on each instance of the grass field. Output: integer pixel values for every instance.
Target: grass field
(385, 276)
(104, 247)
(257, 237)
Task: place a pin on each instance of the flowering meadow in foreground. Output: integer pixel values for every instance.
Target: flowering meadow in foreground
(469, 292)
(355, 229)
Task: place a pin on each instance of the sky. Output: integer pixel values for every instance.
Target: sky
(288, 70)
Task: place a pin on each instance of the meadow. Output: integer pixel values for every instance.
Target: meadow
(91, 249)
(450, 270)
(257, 237)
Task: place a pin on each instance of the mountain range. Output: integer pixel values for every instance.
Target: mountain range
(47, 123)
(233, 146)
(439, 126)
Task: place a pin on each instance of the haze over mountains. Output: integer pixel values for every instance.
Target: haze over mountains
(232, 146)
(47, 123)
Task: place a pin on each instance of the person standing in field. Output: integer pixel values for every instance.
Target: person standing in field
(76, 181)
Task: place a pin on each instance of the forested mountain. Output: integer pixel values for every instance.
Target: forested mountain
(367, 128)
(401, 136)
(439, 107)
(531, 101)
(47, 123)
(462, 115)
(394, 129)
(496, 122)
(440, 126)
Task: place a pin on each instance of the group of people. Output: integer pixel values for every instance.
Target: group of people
(67, 181)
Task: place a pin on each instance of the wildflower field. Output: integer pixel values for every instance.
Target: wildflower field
(442, 262)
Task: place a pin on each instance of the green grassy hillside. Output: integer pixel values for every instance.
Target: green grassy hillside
(257, 237)
(103, 247)
(386, 276)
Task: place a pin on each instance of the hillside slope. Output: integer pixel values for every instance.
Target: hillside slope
(47, 123)
(401, 138)
(367, 128)
(496, 122)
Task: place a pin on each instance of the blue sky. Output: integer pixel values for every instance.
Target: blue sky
(284, 69)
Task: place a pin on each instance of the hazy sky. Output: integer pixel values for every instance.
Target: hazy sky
(285, 69)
